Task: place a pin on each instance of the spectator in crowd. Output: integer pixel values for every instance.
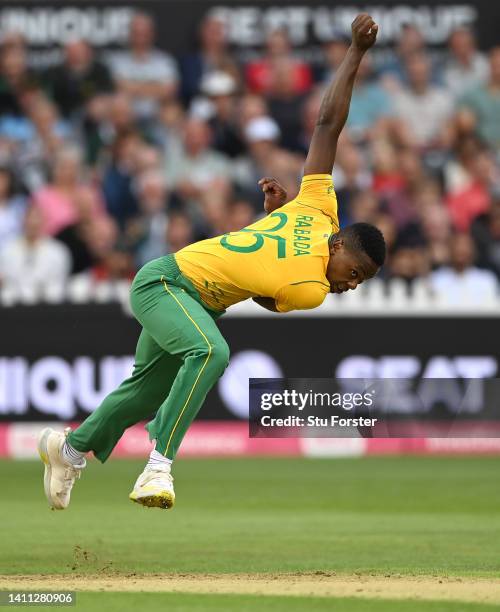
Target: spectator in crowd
(483, 104)
(334, 50)
(104, 122)
(386, 225)
(40, 120)
(465, 67)
(428, 195)
(409, 258)
(148, 157)
(47, 134)
(78, 235)
(486, 233)
(118, 177)
(240, 214)
(475, 197)
(309, 116)
(370, 104)
(214, 208)
(196, 165)
(180, 231)
(146, 233)
(76, 238)
(352, 179)
(265, 158)
(45, 261)
(251, 106)
(423, 108)
(393, 72)
(260, 75)
(285, 104)
(13, 38)
(60, 200)
(401, 203)
(212, 56)
(458, 169)
(146, 74)
(17, 81)
(387, 178)
(220, 107)
(364, 207)
(91, 239)
(78, 79)
(436, 226)
(12, 207)
(116, 265)
(50, 130)
(109, 260)
(462, 282)
(168, 131)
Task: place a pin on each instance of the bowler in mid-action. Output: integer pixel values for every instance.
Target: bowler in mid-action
(290, 259)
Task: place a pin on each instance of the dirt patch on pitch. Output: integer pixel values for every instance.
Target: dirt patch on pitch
(320, 584)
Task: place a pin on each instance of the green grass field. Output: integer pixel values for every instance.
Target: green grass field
(381, 516)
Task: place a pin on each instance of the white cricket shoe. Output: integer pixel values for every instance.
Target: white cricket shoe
(154, 488)
(60, 475)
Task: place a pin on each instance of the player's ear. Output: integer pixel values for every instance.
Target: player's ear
(336, 245)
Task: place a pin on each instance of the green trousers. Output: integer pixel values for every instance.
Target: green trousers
(180, 355)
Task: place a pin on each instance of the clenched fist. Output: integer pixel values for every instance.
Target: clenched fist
(274, 193)
(364, 32)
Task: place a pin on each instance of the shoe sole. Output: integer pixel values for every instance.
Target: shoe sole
(163, 499)
(44, 456)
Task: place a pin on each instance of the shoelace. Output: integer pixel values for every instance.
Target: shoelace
(161, 474)
(71, 473)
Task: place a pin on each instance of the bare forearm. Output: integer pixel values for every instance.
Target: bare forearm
(337, 99)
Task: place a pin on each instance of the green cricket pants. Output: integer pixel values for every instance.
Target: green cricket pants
(180, 355)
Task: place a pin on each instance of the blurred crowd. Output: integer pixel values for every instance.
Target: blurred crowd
(109, 161)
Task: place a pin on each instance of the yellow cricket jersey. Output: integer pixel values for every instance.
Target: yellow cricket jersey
(282, 256)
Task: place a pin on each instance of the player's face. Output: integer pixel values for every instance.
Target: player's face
(346, 269)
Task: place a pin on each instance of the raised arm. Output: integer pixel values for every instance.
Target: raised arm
(337, 99)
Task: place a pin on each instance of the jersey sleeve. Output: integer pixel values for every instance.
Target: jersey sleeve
(301, 296)
(317, 191)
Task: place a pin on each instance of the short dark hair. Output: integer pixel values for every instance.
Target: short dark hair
(368, 238)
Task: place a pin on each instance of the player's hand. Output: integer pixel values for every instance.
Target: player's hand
(364, 32)
(274, 193)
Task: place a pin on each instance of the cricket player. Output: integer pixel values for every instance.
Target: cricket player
(290, 259)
